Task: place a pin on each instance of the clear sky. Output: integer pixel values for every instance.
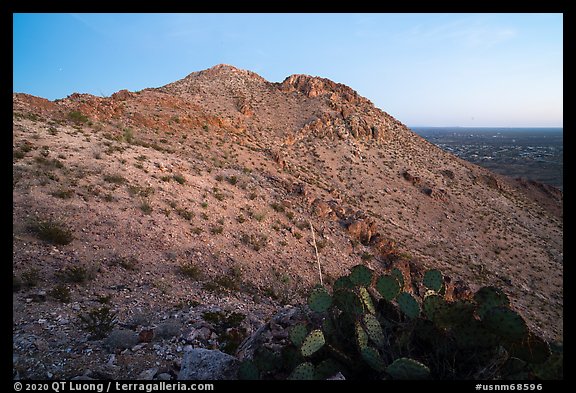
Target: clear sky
(424, 69)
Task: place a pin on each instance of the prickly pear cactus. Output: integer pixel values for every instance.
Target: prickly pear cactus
(531, 349)
(297, 334)
(433, 305)
(361, 336)
(303, 372)
(319, 300)
(360, 275)
(489, 297)
(291, 357)
(388, 286)
(505, 323)
(433, 280)
(266, 360)
(474, 335)
(408, 369)
(397, 273)
(312, 343)
(374, 329)
(408, 305)
(349, 302)
(373, 358)
(366, 300)
(328, 368)
(453, 314)
(343, 282)
(248, 371)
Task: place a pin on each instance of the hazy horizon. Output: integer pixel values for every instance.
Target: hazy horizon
(466, 70)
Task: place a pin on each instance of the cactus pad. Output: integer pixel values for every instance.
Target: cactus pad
(291, 357)
(408, 369)
(248, 371)
(399, 276)
(474, 335)
(328, 327)
(433, 305)
(453, 314)
(366, 300)
(373, 329)
(343, 282)
(361, 336)
(388, 286)
(531, 349)
(328, 368)
(312, 343)
(360, 275)
(373, 358)
(489, 297)
(266, 360)
(505, 323)
(408, 305)
(433, 279)
(349, 302)
(319, 300)
(303, 372)
(298, 333)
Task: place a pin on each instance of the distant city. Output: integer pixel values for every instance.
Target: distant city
(531, 153)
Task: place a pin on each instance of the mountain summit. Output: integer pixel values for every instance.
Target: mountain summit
(199, 197)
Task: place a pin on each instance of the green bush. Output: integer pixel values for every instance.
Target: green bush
(77, 117)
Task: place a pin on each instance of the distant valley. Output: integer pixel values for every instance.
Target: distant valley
(531, 153)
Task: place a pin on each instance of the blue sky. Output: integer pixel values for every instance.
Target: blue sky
(423, 69)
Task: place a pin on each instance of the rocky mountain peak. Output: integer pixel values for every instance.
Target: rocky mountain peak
(313, 86)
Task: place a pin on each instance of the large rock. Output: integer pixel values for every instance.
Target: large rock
(206, 364)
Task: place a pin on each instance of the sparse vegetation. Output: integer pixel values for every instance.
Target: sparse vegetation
(63, 193)
(77, 117)
(52, 231)
(190, 270)
(61, 292)
(98, 321)
(179, 178)
(114, 179)
(75, 274)
(257, 242)
(30, 277)
(145, 206)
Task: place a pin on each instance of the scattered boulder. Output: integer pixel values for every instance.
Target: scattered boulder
(121, 339)
(207, 364)
(363, 230)
(320, 208)
(167, 329)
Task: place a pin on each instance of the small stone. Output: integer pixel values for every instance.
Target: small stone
(337, 377)
(147, 375)
(164, 377)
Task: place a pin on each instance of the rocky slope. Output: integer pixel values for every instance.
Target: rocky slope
(175, 205)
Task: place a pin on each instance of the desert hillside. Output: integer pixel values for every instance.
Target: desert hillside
(195, 199)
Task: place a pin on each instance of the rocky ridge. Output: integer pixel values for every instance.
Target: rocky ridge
(220, 175)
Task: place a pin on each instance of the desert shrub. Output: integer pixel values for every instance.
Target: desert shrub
(60, 292)
(77, 117)
(98, 321)
(52, 231)
(190, 270)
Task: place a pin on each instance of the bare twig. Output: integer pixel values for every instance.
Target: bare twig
(316, 249)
